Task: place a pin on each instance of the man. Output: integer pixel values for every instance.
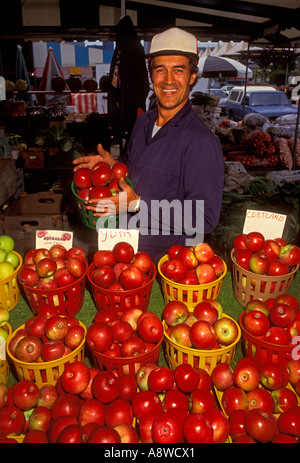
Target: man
(173, 158)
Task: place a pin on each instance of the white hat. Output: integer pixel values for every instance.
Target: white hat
(174, 41)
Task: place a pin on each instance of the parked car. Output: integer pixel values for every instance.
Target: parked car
(219, 93)
(263, 100)
(227, 88)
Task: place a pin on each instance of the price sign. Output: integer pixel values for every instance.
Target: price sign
(47, 238)
(107, 238)
(270, 224)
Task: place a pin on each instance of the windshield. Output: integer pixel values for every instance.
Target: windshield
(219, 93)
(269, 99)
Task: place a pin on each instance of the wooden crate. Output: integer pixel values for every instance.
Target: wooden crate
(8, 179)
(43, 202)
(22, 227)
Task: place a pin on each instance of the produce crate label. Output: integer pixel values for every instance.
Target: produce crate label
(270, 224)
(47, 238)
(107, 238)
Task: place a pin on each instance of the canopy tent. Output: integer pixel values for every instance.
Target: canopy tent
(219, 66)
(52, 69)
(21, 71)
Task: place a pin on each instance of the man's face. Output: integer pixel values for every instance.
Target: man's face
(171, 80)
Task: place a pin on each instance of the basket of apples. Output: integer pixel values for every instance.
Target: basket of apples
(10, 264)
(122, 344)
(42, 347)
(102, 181)
(262, 268)
(5, 331)
(258, 400)
(120, 278)
(203, 338)
(270, 328)
(54, 276)
(191, 274)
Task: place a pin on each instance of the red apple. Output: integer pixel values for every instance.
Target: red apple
(28, 276)
(203, 335)
(197, 429)
(146, 402)
(188, 257)
(284, 399)
(63, 277)
(143, 374)
(288, 299)
(246, 376)
(104, 276)
(150, 329)
(91, 411)
(99, 336)
(46, 267)
(261, 425)
(175, 312)
(132, 347)
(205, 273)
(222, 376)
(277, 335)
(123, 252)
(75, 377)
(166, 429)
(272, 376)
(259, 263)
(239, 241)
(161, 379)
(206, 311)
(219, 423)
(82, 177)
(260, 398)
(278, 268)
(255, 241)
(242, 258)
(181, 334)
(257, 305)
(234, 398)
(186, 377)
(56, 328)
(28, 349)
(203, 253)
(101, 176)
(282, 315)
(226, 330)
(131, 278)
(25, 394)
(105, 387)
(142, 260)
(271, 249)
(256, 323)
(290, 255)
(175, 269)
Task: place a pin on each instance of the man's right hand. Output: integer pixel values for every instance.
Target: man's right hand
(90, 161)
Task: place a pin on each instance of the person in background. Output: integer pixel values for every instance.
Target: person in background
(172, 155)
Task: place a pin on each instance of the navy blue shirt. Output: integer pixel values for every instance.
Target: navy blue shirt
(183, 161)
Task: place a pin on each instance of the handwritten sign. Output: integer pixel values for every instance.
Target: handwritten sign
(107, 238)
(47, 238)
(270, 224)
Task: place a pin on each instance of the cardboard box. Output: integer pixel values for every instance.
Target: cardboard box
(44, 202)
(34, 158)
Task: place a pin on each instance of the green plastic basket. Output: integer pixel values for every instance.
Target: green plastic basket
(87, 217)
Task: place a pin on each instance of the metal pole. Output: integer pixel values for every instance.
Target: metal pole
(123, 8)
(246, 79)
(296, 141)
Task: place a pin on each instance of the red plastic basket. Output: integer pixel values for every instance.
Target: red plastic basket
(122, 366)
(122, 300)
(262, 351)
(67, 300)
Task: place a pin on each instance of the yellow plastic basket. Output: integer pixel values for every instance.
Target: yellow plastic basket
(45, 372)
(4, 365)
(205, 359)
(191, 295)
(9, 288)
